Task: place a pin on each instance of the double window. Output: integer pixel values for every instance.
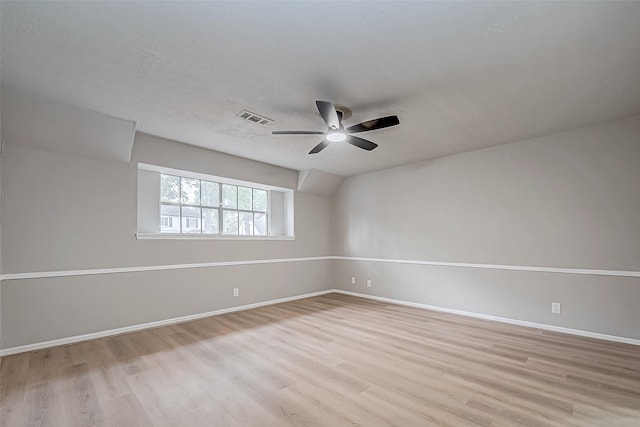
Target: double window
(179, 204)
(196, 206)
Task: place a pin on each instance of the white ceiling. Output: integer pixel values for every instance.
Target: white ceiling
(460, 75)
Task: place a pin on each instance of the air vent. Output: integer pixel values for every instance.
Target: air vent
(255, 118)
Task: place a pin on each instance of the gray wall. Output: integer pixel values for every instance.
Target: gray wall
(1, 148)
(38, 310)
(61, 212)
(567, 200)
(71, 213)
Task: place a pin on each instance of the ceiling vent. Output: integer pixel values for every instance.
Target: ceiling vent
(255, 118)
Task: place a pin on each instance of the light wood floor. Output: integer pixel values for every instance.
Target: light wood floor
(331, 360)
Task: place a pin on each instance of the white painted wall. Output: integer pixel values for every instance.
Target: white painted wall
(565, 200)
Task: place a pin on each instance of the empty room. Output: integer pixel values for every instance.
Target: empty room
(320, 213)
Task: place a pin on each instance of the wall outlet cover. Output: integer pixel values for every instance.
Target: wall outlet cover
(556, 307)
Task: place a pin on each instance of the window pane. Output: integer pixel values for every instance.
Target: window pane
(210, 193)
(259, 200)
(229, 196)
(244, 198)
(195, 206)
(169, 219)
(190, 220)
(169, 188)
(230, 222)
(260, 224)
(246, 223)
(190, 191)
(210, 220)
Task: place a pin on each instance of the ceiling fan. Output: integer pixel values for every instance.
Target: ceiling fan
(337, 132)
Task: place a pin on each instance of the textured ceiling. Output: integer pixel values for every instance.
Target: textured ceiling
(460, 75)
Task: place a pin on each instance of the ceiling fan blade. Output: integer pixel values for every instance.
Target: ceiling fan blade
(318, 148)
(382, 122)
(329, 114)
(362, 143)
(296, 132)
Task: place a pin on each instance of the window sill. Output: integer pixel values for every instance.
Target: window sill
(169, 236)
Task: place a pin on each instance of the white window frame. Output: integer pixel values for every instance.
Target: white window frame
(192, 222)
(282, 229)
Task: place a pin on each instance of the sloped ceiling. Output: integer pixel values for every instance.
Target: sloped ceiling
(49, 125)
(460, 75)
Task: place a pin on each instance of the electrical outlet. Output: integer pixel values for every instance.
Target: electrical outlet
(556, 307)
(236, 292)
(368, 283)
(353, 280)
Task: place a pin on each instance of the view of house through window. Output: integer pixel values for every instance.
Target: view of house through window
(189, 205)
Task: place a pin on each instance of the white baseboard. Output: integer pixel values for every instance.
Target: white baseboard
(496, 318)
(149, 325)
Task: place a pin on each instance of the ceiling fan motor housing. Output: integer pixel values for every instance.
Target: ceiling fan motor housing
(333, 114)
(343, 112)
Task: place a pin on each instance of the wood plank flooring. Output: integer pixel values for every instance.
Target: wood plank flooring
(331, 360)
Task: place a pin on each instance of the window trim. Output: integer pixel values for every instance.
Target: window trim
(176, 236)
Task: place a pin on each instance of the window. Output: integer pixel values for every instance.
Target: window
(178, 204)
(208, 207)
